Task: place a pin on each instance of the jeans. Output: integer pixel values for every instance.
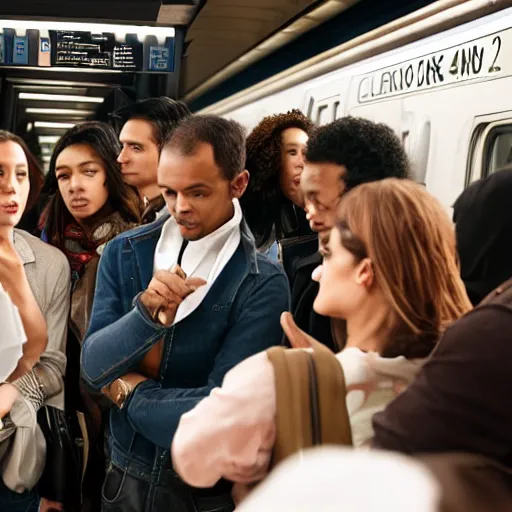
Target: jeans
(122, 492)
(11, 501)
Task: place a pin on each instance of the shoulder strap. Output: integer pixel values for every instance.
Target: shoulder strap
(332, 393)
(293, 425)
(310, 394)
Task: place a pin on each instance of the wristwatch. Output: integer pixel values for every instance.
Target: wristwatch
(119, 392)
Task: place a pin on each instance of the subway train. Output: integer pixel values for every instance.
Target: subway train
(447, 93)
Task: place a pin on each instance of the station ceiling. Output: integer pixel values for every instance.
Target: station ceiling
(220, 35)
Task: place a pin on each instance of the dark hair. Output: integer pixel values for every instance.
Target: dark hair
(369, 151)
(264, 199)
(123, 198)
(226, 137)
(35, 172)
(163, 113)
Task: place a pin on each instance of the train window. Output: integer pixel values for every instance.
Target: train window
(335, 110)
(322, 116)
(311, 104)
(497, 149)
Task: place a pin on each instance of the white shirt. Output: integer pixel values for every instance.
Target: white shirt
(204, 258)
(372, 383)
(12, 336)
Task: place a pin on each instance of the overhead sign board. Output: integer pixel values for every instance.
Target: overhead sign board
(88, 49)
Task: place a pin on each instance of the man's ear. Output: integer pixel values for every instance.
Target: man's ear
(239, 185)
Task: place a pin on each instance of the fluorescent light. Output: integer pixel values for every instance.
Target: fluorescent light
(29, 127)
(59, 111)
(96, 28)
(62, 126)
(48, 139)
(59, 97)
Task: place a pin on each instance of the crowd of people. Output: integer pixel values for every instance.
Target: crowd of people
(144, 280)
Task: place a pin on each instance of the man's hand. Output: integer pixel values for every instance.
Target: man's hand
(166, 292)
(8, 395)
(296, 336)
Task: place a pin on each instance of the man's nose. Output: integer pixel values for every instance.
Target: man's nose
(122, 157)
(182, 204)
(310, 210)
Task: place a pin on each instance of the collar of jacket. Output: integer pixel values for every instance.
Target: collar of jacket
(153, 231)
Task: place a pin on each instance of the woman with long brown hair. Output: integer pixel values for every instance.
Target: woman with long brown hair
(390, 271)
(89, 206)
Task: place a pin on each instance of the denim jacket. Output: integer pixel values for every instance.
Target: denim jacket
(238, 317)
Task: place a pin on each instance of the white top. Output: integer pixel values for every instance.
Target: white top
(231, 433)
(205, 258)
(372, 383)
(12, 336)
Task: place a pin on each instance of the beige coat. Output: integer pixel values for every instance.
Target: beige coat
(23, 450)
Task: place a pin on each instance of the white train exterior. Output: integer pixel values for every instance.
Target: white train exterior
(448, 97)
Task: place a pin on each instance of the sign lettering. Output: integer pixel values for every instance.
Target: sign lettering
(476, 59)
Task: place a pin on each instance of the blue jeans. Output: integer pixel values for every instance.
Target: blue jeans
(11, 501)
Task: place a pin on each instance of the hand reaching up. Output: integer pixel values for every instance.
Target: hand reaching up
(296, 336)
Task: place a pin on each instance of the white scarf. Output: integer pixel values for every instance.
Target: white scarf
(204, 258)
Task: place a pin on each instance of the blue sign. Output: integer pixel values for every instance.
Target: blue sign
(20, 55)
(159, 58)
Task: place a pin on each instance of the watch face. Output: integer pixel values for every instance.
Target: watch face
(120, 395)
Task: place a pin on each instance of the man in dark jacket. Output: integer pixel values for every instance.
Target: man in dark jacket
(340, 156)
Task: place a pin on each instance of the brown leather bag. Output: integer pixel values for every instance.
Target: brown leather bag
(311, 400)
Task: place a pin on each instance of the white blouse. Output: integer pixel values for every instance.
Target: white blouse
(12, 336)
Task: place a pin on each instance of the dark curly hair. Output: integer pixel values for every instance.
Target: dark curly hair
(369, 151)
(263, 200)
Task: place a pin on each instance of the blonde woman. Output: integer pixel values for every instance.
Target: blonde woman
(390, 271)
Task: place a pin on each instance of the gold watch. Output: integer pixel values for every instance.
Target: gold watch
(119, 391)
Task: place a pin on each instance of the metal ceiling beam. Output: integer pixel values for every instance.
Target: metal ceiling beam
(310, 20)
(138, 12)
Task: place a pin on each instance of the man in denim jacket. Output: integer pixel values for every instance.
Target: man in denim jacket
(163, 336)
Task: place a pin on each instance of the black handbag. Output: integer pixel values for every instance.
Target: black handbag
(61, 479)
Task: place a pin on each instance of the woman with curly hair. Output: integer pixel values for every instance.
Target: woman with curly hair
(273, 204)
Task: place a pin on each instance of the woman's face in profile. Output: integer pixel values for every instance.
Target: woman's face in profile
(82, 177)
(14, 183)
(341, 290)
(293, 149)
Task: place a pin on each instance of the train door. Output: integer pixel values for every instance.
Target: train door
(491, 145)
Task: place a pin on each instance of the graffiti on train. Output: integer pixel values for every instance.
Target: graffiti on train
(480, 58)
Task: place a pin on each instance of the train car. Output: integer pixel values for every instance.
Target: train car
(447, 95)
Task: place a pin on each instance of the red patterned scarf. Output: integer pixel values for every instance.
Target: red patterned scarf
(79, 249)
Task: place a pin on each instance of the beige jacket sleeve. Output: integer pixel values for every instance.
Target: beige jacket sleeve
(50, 279)
(230, 434)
